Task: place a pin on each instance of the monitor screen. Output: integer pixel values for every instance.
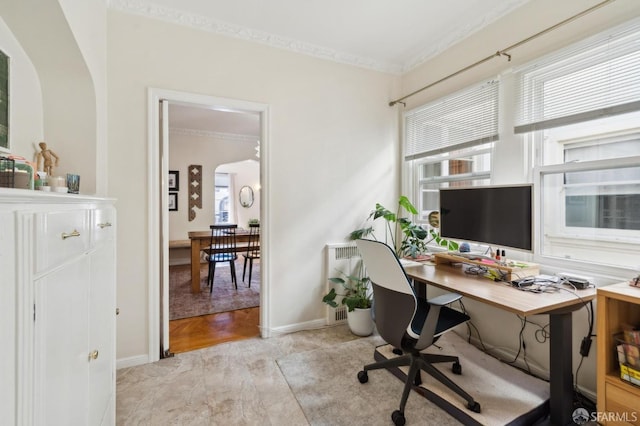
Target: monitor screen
(500, 216)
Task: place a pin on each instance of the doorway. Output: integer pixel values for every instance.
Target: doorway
(159, 102)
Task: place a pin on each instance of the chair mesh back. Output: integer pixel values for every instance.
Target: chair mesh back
(223, 243)
(393, 313)
(394, 301)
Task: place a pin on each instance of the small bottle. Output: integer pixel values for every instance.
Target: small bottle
(498, 254)
(503, 255)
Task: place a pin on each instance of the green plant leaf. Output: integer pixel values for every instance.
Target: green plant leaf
(361, 233)
(330, 298)
(404, 202)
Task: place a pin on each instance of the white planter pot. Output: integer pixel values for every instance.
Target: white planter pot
(360, 321)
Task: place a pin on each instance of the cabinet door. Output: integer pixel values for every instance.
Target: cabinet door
(102, 335)
(61, 352)
(8, 366)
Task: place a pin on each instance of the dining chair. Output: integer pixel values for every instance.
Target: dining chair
(253, 249)
(222, 248)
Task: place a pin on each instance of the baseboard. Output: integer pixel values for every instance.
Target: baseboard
(132, 361)
(292, 328)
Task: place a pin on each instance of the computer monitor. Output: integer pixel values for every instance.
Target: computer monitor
(500, 216)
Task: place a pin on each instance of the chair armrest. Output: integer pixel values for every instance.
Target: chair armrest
(444, 299)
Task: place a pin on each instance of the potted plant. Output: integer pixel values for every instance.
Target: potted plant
(355, 293)
(412, 242)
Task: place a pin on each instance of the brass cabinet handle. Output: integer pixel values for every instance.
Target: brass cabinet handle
(104, 225)
(75, 233)
(93, 355)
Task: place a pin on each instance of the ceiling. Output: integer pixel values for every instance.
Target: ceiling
(385, 35)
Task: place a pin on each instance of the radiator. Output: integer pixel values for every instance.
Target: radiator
(340, 257)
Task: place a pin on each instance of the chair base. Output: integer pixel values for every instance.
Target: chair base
(212, 273)
(420, 362)
(248, 259)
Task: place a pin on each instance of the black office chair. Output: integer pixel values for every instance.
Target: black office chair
(253, 250)
(222, 248)
(409, 323)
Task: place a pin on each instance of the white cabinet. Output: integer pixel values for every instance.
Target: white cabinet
(62, 295)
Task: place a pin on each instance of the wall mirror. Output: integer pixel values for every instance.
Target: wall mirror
(246, 196)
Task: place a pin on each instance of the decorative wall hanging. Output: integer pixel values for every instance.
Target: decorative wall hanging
(173, 201)
(195, 190)
(174, 180)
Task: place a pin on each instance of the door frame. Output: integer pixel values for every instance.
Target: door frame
(158, 225)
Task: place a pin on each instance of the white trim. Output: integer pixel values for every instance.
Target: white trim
(131, 362)
(292, 328)
(218, 135)
(153, 200)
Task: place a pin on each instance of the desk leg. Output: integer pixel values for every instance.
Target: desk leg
(195, 265)
(560, 369)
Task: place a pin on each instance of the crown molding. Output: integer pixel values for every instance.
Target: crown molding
(234, 137)
(463, 32)
(148, 9)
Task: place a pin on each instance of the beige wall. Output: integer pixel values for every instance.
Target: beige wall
(70, 114)
(333, 153)
(25, 116)
(210, 152)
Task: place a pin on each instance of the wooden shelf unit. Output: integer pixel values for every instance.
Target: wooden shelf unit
(617, 304)
(513, 272)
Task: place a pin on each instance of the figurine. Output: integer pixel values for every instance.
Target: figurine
(46, 157)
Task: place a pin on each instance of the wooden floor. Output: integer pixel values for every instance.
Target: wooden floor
(207, 330)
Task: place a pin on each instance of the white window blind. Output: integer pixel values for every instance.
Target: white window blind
(597, 78)
(460, 120)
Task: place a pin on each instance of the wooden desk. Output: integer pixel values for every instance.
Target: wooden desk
(558, 305)
(201, 240)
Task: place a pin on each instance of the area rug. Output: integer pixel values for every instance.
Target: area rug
(508, 396)
(325, 384)
(324, 381)
(184, 304)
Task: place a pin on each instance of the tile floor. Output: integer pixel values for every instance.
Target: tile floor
(235, 383)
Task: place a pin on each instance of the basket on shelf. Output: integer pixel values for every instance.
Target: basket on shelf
(7, 172)
(629, 358)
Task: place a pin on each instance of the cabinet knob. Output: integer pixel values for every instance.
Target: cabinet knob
(117, 311)
(104, 225)
(93, 355)
(75, 233)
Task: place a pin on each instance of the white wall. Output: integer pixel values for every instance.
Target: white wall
(72, 91)
(512, 163)
(333, 152)
(208, 152)
(25, 97)
(245, 173)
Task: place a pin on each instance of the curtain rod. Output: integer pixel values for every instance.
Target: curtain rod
(503, 52)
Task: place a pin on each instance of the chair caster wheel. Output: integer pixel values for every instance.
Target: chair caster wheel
(456, 368)
(398, 418)
(474, 406)
(363, 377)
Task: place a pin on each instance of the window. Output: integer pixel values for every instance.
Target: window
(221, 198)
(580, 108)
(448, 143)
(577, 114)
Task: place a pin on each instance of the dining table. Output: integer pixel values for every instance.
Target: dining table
(201, 240)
